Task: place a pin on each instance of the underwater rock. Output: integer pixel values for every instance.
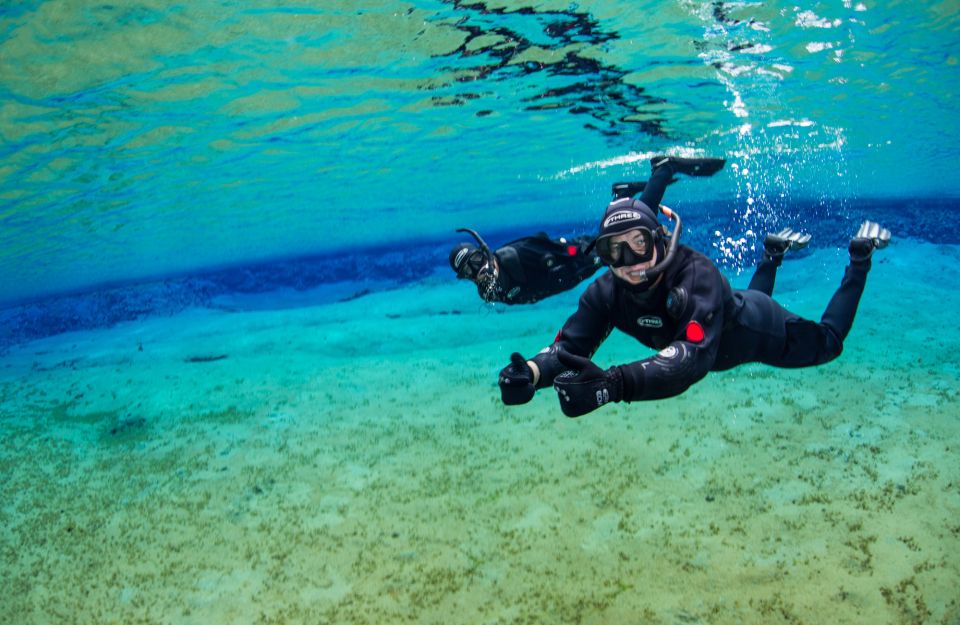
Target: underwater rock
(127, 426)
(206, 358)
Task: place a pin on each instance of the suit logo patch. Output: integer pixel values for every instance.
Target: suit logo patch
(649, 321)
(621, 216)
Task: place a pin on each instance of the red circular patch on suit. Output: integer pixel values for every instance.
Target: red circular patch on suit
(572, 250)
(695, 332)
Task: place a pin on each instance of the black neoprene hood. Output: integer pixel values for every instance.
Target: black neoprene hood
(625, 214)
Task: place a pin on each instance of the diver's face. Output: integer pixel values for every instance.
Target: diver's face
(632, 274)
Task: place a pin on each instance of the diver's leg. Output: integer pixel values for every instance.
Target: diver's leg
(809, 343)
(816, 343)
(665, 167)
(838, 317)
(843, 306)
(656, 186)
(766, 274)
(774, 247)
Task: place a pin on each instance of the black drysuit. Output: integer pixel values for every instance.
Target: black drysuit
(532, 268)
(699, 324)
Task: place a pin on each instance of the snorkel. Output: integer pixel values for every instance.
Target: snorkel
(650, 275)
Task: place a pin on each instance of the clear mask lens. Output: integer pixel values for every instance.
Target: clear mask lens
(629, 248)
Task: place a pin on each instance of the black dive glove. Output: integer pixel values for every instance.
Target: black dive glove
(584, 387)
(516, 381)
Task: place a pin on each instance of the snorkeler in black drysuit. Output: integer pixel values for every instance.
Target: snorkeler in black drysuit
(673, 299)
(532, 268)
(527, 270)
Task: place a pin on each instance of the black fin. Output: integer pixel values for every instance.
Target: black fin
(690, 166)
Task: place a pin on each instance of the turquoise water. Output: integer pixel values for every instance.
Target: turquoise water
(238, 383)
(141, 139)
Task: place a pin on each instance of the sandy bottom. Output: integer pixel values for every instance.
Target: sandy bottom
(350, 462)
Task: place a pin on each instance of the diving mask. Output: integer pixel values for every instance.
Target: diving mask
(645, 234)
(634, 247)
(472, 263)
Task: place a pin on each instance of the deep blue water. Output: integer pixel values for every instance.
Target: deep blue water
(927, 221)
